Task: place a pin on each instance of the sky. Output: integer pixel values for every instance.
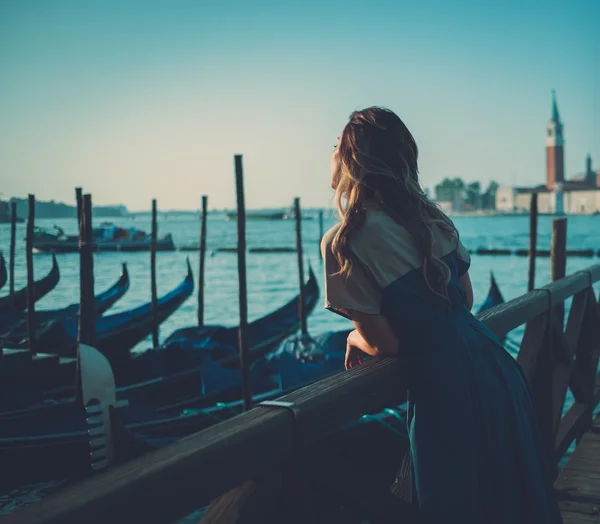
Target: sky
(134, 100)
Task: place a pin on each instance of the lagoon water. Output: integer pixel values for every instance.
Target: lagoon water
(272, 278)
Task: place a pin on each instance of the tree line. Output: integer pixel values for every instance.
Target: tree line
(470, 194)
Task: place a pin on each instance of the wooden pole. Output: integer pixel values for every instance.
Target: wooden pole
(558, 260)
(87, 318)
(13, 242)
(202, 258)
(78, 199)
(533, 220)
(30, 281)
(153, 277)
(242, 335)
(301, 298)
(321, 233)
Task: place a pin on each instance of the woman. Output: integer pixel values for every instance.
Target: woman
(396, 268)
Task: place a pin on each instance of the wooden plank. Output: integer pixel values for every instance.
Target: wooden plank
(567, 287)
(505, 317)
(578, 484)
(577, 513)
(532, 344)
(575, 422)
(561, 375)
(586, 359)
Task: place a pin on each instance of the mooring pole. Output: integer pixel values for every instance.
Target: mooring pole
(11, 256)
(79, 201)
(153, 277)
(202, 259)
(243, 291)
(321, 233)
(533, 221)
(558, 260)
(301, 297)
(30, 279)
(87, 317)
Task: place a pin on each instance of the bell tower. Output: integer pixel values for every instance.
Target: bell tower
(555, 162)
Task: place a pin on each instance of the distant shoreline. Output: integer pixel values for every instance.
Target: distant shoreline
(501, 214)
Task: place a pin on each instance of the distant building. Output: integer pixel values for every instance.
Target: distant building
(579, 195)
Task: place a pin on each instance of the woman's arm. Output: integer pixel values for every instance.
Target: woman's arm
(465, 282)
(373, 335)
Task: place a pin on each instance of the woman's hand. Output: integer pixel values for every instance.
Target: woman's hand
(354, 356)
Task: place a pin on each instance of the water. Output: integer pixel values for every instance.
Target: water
(272, 278)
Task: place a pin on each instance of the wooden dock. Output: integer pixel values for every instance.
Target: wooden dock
(248, 464)
(578, 483)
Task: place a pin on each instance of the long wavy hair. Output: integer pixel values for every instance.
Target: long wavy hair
(378, 165)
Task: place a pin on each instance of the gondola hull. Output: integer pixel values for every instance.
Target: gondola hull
(115, 334)
(176, 372)
(493, 298)
(54, 444)
(3, 272)
(13, 327)
(41, 288)
(187, 348)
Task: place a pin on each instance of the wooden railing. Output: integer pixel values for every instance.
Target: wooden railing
(170, 483)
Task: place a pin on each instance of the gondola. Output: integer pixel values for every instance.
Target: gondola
(13, 327)
(116, 334)
(180, 369)
(3, 272)
(41, 288)
(176, 373)
(494, 297)
(187, 347)
(55, 444)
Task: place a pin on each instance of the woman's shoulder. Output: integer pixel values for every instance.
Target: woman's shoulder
(327, 239)
(380, 232)
(377, 229)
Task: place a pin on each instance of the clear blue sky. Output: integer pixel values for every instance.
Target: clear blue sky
(135, 100)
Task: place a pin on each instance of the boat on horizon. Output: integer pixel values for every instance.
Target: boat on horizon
(106, 237)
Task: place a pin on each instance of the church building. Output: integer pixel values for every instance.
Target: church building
(578, 195)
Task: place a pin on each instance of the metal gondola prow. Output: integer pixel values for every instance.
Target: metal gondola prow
(99, 395)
